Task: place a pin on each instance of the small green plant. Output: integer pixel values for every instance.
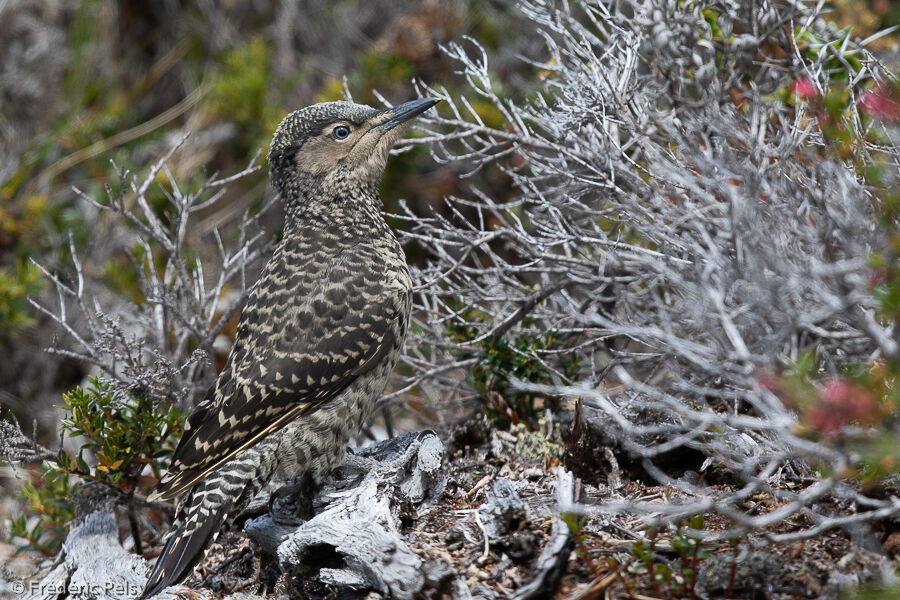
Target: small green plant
(49, 497)
(542, 442)
(520, 355)
(671, 575)
(576, 524)
(839, 66)
(669, 578)
(125, 437)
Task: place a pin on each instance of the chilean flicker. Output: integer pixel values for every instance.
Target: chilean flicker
(317, 339)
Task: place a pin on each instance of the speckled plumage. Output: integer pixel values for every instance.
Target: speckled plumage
(320, 333)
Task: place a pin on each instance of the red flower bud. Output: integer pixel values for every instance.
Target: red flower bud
(841, 403)
(882, 103)
(804, 89)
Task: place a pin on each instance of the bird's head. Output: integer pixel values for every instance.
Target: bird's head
(336, 145)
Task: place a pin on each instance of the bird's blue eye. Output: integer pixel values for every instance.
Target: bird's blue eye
(341, 132)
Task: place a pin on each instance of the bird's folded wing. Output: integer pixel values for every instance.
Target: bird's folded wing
(335, 338)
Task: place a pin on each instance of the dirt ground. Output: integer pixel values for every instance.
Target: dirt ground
(494, 554)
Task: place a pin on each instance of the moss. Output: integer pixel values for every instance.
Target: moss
(541, 444)
(15, 288)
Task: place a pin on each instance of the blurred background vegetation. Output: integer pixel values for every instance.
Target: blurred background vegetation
(86, 83)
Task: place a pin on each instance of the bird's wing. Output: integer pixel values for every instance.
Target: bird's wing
(290, 356)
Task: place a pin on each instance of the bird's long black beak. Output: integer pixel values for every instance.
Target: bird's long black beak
(406, 111)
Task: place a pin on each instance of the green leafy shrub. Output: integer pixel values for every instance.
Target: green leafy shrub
(49, 497)
(124, 437)
(672, 574)
(502, 359)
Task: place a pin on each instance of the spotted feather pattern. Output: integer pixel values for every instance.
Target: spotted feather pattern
(324, 311)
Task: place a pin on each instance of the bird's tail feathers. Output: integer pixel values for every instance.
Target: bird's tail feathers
(212, 502)
(184, 549)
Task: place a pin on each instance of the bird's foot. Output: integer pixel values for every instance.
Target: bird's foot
(292, 504)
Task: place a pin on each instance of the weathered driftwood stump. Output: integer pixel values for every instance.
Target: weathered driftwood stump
(95, 565)
(354, 540)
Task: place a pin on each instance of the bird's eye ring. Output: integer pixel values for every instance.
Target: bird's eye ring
(341, 132)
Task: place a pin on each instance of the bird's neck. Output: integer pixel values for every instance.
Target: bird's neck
(358, 207)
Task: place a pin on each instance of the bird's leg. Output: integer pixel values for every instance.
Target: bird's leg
(294, 501)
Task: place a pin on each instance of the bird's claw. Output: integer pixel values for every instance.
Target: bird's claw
(294, 501)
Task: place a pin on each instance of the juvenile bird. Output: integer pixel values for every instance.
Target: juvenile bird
(320, 332)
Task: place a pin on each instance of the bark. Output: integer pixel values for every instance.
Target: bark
(95, 566)
(355, 540)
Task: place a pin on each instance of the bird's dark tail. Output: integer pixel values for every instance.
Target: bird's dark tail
(195, 528)
(211, 503)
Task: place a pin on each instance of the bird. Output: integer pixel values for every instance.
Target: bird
(318, 336)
